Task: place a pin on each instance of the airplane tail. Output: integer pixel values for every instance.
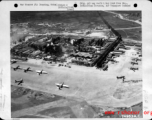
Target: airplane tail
(62, 84)
(15, 81)
(59, 87)
(25, 71)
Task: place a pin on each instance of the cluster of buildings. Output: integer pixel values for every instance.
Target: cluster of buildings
(32, 48)
(95, 55)
(92, 52)
(80, 51)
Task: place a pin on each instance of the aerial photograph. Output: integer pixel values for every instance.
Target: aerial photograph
(76, 64)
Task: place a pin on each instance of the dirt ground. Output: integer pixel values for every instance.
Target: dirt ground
(88, 83)
(28, 103)
(94, 86)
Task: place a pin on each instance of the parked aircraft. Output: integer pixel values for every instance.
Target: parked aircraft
(13, 61)
(133, 69)
(27, 69)
(105, 68)
(61, 85)
(121, 77)
(17, 67)
(134, 63)
(136, 59)
(19, 81)
(140, 55)
(41, 72)
(114, 61)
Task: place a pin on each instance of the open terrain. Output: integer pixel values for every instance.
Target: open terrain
(92, 90)
(96, 87)
(59, 22)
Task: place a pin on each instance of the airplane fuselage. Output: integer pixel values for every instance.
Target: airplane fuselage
(122, 77)
(19, 82)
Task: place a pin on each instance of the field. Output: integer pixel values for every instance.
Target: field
(133, 15)
(96, 87)
(48, 22)
(92, 91)
(36, 104)
(134, 34)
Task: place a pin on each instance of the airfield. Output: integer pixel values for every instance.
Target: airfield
(93, 87)
(97, 87)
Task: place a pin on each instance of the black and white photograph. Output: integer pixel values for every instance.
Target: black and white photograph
(76, 64)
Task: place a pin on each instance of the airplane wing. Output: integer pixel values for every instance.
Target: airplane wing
(66, 86)
(29, 69)
(16, 67)
(38, 71)
(57, 84)
(20, 68)
(44, 72)
(24, 68)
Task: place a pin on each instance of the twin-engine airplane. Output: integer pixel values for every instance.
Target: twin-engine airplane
(13, 61)
(121, 77)
(136, 59)
(39, 72)
(17, 67)
(134, 63)
(19, 81)
(60, 86)
(27, 69)
(134, 69)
